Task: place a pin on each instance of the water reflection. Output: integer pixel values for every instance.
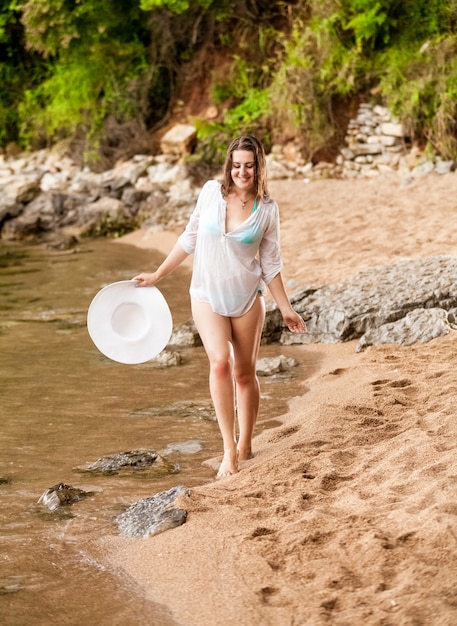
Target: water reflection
(64, 405)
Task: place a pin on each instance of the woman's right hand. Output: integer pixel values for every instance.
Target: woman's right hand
(146, 279)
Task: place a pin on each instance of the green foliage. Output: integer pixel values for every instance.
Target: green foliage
(243, 91)
(315, 67)
(421, 88)
(14, 70)
(83, 61)
(177, 6)
(248, 117)
(249, 114)
(82, 93)
(69, 66)
(370, 25)
(58, 28)
(8, 19)
(348, 48)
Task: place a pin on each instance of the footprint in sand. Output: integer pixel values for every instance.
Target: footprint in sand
(331, 482)
(401, 384)
(395, 384)
(358, 409)
(343, 457)
(261, 531)
(281, 434)
(316, 443)
(272, 596)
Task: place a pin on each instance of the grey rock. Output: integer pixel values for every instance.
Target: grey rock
(347, 154)
(274, 365)
(61, 495)
(41, 198)
(167, 358)
(10, 585)
(419, 325)
(186, 335)
(179, 140)
(200, 410)
(28, 225)
(366, 148)
(372, 132)
(444, 167)
(132, 197)
(8, 207)
(273, 326)
(423, 169)
(452, 317)
(104, 208)
(183, 447)
(126, 173)
(393, 129)
(134, 460)
(154, 515)
(375, 297)
(23, 188)
(389, 141)
(277, 170)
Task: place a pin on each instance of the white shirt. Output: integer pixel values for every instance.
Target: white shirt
(230, 267)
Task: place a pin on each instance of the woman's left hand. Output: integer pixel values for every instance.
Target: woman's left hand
(295, 323)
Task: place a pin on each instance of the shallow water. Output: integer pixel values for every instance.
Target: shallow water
(64, 405)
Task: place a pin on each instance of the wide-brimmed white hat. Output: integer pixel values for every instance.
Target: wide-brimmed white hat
(129, 324)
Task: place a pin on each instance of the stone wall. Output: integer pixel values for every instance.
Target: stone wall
(375, 143)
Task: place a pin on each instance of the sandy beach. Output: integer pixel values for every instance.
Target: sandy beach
(347, 514)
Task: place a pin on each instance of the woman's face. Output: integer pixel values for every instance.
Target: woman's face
(243, 170)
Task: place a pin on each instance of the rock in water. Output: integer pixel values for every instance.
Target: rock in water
(61, 495)
(151, 516)
(133, 460)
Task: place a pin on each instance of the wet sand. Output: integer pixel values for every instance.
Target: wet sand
(347, 513)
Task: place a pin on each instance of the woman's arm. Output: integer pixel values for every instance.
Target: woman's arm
(293, 320)
(173, 260)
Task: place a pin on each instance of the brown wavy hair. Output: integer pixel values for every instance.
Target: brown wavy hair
(250, 144)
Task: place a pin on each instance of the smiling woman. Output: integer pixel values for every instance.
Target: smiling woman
(234, 236)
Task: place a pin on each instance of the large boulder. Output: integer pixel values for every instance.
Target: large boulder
(366, 305)
(179, 140)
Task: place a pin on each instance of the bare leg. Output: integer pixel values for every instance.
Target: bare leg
(246, 332)
(216, 334)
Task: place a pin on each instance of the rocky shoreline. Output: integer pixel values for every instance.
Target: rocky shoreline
(46, 197)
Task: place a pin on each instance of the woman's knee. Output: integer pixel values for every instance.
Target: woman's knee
(221, 366)
(245, 377)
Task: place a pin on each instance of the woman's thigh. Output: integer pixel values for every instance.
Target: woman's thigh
(246, 334)
(215, 330)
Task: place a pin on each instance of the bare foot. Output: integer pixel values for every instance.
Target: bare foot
(229, 464)
(244, 454)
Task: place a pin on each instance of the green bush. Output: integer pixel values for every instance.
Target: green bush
(405, 52)
(82, 93)
(69, 67)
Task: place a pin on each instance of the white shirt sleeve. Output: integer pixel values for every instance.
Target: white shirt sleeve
(188, 239)
(270, 248)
